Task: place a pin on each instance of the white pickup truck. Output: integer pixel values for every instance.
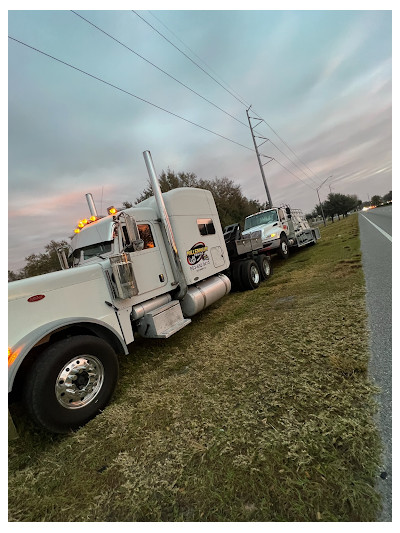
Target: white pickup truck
(281, 228)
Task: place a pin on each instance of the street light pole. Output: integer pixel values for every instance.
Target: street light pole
(322, 211)
(319, 199)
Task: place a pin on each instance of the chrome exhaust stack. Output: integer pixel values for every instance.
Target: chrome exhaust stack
(171, 249)
(62, 258)
(92, 207)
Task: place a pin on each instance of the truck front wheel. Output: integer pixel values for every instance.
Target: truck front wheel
(283, 249)
(70, 382)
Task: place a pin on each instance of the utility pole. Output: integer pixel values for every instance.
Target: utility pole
(259, 158)
(319, 199)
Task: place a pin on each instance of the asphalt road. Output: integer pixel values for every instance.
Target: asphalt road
(376, 248)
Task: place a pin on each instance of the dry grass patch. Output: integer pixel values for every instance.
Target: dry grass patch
(260, 410)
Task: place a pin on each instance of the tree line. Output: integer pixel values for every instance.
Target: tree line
(231, 204)
(42, 263)
(378, 200)
(338, 204)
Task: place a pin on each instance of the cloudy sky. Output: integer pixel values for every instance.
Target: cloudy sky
(80, 120)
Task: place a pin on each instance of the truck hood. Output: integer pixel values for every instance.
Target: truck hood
(25, 288)
(266, 230)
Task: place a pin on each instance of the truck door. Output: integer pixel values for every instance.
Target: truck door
(148, 264)
(283, 219)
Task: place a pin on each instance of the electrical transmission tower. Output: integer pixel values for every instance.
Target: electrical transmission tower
(258, 153)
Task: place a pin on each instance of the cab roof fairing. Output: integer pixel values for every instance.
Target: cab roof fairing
(185, 201)
(102, 229)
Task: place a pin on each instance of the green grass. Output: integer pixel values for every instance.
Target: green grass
(260, 410)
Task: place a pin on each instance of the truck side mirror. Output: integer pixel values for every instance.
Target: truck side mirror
(132, 234)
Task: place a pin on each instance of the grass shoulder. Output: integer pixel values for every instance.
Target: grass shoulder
(260, 410)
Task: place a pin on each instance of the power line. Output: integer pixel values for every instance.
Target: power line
(239, 99)
(283, 166)
(128, 93)
(286, 144)
(257, 146)
(175, 79)
(190, 59)
(194, 53)
(266, 139)
(148, 102)
(308, 177)
(155, 66)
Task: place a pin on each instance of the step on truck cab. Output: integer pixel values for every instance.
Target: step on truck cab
(281, 228)
(143, 270)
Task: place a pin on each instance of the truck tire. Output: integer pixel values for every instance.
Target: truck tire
(250, 275)
(236, 276)
(70, 382)
(283, 249)
(264, 265)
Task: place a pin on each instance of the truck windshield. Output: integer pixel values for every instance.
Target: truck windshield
(266, 217)
(91, 251)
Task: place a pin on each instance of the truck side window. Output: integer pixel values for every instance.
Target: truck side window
(206, 226)
(146, 235)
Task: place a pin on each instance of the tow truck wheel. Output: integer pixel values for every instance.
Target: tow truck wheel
(70, 382)
(283, 247)
(264, 265)
(236, 276)
(250, 275)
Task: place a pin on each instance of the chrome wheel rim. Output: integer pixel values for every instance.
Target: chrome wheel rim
(255, 275)
(267, 268)
(284, 247)
(79, 382)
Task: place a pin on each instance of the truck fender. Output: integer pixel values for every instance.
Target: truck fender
(25, 345)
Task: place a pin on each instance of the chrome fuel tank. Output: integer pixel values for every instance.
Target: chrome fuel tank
(205, 293)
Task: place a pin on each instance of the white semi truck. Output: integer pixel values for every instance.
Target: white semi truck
(281, 228)
(143, 270)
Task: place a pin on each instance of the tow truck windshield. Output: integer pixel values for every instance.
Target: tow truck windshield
(266, 217)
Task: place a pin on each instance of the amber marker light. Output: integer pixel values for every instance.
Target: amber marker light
(77, 230)
(111, 210)
(12, 356)
(93, 218)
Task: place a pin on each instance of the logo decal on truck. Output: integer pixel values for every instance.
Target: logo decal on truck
(197, 255)
(36, 298)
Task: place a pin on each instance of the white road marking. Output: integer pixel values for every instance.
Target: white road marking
(379, 229)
